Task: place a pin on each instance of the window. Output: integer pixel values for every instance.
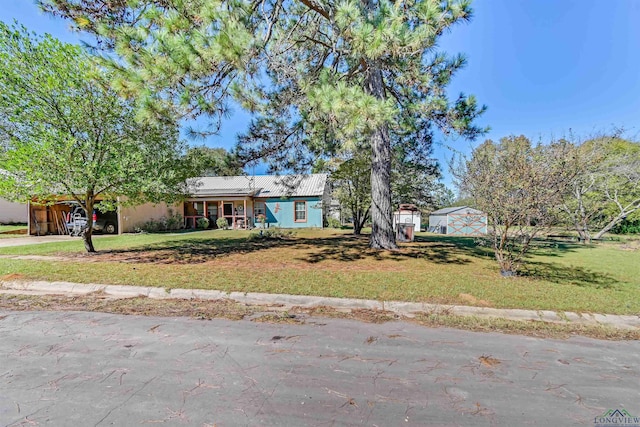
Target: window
(258, 209)
(300, 211)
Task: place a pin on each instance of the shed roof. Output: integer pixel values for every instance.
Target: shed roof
(407, 207)
(259, 185)
(454, 209)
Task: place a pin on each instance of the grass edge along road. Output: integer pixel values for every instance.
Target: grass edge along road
(600, 278)
(212, 309)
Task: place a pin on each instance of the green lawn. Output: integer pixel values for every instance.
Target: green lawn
(597, 278)
(7, 231)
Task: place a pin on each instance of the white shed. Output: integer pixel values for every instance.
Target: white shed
(408, 214)
(458, 221)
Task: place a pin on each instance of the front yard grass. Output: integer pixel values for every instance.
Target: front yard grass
(600, 278)
(7, 231)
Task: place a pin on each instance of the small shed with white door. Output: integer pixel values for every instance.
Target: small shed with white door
(407, 214)
(458, 221)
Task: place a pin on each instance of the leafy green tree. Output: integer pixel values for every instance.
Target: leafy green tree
(414, 177)
(442, 197)
(215, 161)
(338, 74)
(352, 188)
(64, 131)
(606, 189)
(519, 186)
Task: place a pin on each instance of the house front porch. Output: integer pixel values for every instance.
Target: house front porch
(238, 212)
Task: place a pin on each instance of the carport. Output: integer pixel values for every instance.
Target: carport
(50, 218)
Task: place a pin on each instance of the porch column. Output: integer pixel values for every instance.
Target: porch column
(206, 212)
(233, 212)
(245, 213)
(221, 210)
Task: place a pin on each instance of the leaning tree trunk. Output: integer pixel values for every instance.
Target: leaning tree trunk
(610, 225)
(360, 220)
(382, 235)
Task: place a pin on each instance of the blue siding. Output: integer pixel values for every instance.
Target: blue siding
(280, 212)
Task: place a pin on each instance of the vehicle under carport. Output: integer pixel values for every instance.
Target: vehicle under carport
(51, 218)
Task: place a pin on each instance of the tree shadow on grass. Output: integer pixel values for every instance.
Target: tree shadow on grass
(343, 248)
(356, 248)
(349, 249)
(577, 276)
(186, 251)
(553, 248)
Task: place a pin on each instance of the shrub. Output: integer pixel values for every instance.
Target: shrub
(261, 220)
(333, 222)
(222, 223)
(202, 223)
(171, 222)
(627, 227)
(273, 233)
(151, 226)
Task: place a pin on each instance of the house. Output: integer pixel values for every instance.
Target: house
(407, 214)
(12, 212)
(458, 221)
(288, 201)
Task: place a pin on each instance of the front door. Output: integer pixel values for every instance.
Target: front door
(212, 214)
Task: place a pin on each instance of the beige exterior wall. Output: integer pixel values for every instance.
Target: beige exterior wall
(133, 216)
(12, 212)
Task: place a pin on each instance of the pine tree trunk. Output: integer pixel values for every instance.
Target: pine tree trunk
(382, 235)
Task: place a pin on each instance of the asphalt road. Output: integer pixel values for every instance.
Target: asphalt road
(94, 369)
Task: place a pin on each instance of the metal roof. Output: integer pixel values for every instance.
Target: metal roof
(447, 211)
(259, 185)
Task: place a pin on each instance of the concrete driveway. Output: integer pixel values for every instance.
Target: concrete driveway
(81, 369)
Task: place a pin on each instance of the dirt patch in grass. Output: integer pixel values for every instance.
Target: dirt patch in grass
(632, 245)
(12, 276)
(470, 299)
(22, 231)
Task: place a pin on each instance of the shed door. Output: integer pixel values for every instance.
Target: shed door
(466, 224)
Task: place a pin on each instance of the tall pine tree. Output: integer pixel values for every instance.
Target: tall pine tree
(320, 77)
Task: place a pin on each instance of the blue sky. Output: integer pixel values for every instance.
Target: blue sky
(542, 67)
